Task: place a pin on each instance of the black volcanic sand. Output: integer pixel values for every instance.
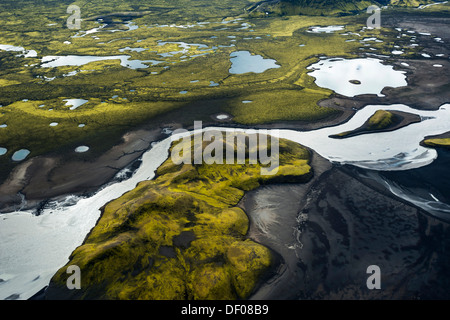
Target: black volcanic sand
(402, 119)
(329, 235)
(445, 135)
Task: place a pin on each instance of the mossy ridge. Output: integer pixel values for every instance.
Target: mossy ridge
(381, 121)
(99, 81)
(181, 235)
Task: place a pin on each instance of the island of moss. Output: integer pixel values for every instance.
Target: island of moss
(381, 121)
(180, 236)
(439, 141)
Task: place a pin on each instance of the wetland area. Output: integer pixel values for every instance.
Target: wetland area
(89, 118)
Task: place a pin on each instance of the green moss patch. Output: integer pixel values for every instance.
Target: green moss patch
(444, 142)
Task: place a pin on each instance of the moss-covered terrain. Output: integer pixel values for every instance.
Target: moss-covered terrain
(381, 121)
(440, 141)
(180, 236)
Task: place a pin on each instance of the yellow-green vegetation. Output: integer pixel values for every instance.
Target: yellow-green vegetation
(382, 119)
(181, 235)
(438, 142)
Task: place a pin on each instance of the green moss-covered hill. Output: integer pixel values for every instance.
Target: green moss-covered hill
(179, 236)
(381, 121)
